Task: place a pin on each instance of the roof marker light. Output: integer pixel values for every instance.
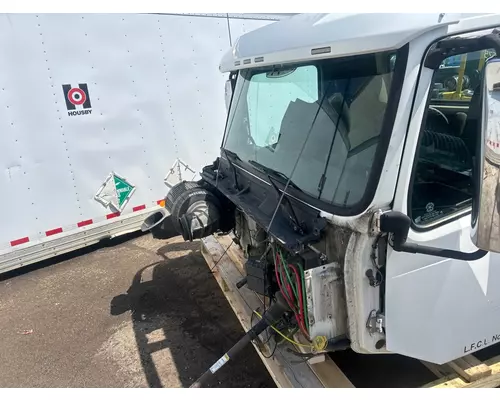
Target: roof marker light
(321, 50)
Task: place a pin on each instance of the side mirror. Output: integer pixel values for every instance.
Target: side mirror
(485, 233)
(398, 224)
(228, 93)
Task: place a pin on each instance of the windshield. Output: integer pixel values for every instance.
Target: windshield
(318, 124)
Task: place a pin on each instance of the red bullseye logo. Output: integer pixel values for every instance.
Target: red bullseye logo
(77, 96)
(77, 99)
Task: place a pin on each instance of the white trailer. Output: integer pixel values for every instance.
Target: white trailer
(100, 115)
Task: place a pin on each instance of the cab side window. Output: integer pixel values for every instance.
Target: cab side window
(442, 185)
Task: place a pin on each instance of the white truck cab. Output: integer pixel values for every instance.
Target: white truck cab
(360, 157)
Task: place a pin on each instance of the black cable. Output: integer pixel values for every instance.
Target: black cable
(374, 261)
(304, 357)
(274, 350)
(266, 331)
(267, 340)
(269, 337)
(320, 106)
(223, 254)
(265, 274)
(301, 355)
(273, 314)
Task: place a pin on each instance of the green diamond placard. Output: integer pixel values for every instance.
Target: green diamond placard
(123, 190)
(116, 191)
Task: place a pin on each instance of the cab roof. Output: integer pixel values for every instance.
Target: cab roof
(314, 36)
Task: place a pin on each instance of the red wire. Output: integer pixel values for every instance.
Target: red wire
(288, 287)
(301, 302)
(299, 314)
(290, 304)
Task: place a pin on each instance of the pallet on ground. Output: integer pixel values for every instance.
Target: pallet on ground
(467, 372)
(226, 262)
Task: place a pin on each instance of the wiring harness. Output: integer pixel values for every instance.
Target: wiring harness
(291, 282)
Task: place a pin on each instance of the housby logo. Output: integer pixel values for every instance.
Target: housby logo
(77, 99)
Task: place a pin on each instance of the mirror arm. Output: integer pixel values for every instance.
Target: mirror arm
(445, 253)
(398, 224)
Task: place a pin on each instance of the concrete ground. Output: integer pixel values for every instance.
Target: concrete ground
(137, 313)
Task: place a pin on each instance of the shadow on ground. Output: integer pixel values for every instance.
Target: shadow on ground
(176, 304)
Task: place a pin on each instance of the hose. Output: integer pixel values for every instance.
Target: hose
(270, 317)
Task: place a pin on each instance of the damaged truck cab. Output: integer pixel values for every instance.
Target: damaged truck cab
(358, 173)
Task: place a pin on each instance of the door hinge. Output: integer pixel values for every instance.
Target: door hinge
(375, 322)
(375, 222)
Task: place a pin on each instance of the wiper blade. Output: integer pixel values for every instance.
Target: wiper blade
(270, 172)
(297, 226)
(228, 154)
(322, 180)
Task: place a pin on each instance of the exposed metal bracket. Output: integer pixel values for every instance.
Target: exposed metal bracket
(321, 255)
(375, 322)
(176, 168)
(375, 222)
(324, 290)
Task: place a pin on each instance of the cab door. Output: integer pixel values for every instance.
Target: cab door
(441, 309)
